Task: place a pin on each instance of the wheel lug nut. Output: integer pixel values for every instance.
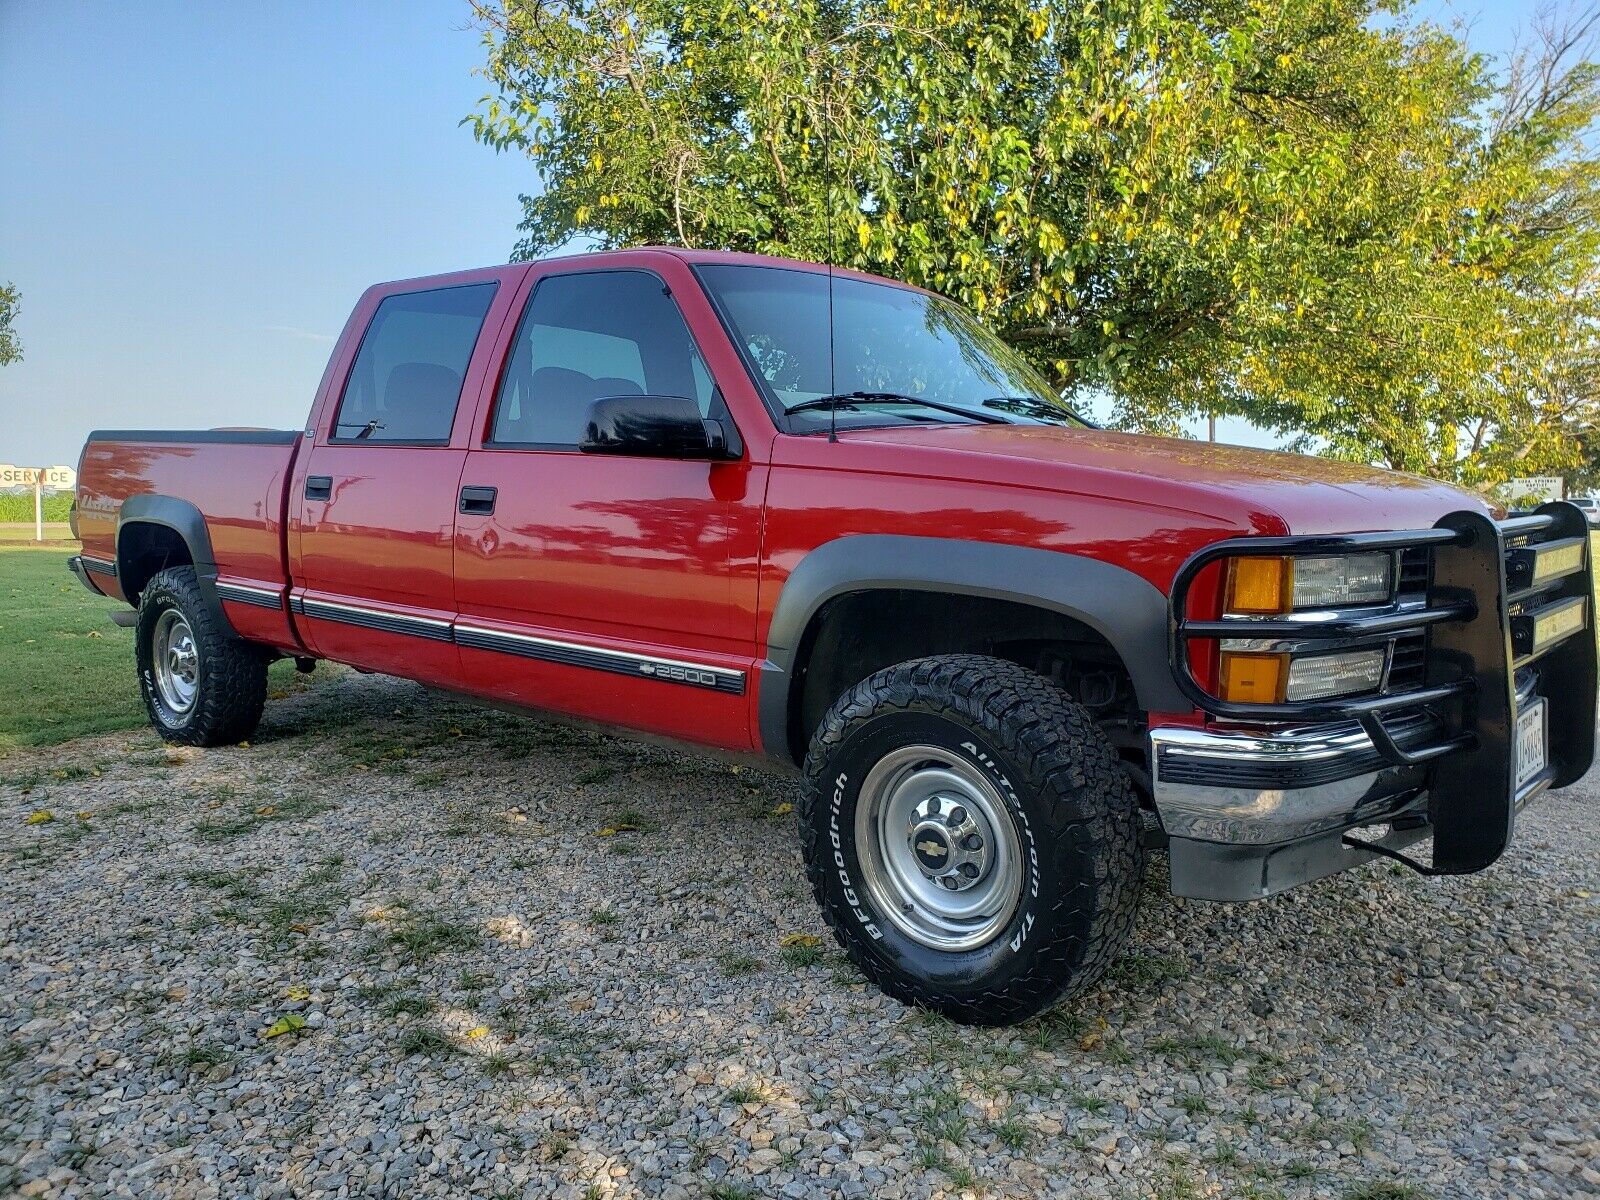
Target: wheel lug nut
(934, 806)
(972, 842)
(968, 871)
(956, 817)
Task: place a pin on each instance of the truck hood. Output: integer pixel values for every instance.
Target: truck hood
(1263, 489)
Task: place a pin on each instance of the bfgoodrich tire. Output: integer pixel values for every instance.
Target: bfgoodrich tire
(971, 838)
(202, 686)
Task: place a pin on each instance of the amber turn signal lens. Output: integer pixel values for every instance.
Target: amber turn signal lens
(1253, 678)
(1259, 585)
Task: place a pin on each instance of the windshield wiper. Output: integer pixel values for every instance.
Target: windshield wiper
(1033, 406)
(853, 399)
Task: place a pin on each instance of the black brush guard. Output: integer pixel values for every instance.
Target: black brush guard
(1478, 621)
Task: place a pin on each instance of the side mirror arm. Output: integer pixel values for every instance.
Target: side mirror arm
(718, 441)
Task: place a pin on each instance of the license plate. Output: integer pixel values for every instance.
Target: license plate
(1530, 743)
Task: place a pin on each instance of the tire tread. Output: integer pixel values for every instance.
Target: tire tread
(233, 689)
(1066, 763)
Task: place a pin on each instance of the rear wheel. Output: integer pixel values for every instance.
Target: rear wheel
(971, 838)
(202, 686)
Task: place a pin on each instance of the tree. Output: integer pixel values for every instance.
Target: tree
(10, 344)
(1288, 210)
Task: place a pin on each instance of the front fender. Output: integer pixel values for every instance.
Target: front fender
(1125, 609)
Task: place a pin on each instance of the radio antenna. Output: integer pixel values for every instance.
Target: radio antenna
(827, 217)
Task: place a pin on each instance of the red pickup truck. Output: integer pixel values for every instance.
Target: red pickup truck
(832, 520)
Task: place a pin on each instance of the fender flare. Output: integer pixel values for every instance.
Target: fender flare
(1126, 609)
(187, 521)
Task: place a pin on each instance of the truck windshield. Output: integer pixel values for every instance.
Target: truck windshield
(888, 342)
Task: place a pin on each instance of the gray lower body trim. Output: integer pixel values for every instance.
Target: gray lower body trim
(619, 662)
(523, 645)
(99, 566)
(382, 620)
(245, 593)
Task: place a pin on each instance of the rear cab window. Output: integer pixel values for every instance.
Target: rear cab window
(406, 381)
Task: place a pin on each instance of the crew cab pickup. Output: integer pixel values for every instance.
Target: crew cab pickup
(809, 514)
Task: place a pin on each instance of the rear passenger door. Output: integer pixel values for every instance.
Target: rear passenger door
(604, 585)
(373, 505)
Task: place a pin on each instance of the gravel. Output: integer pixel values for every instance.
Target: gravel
(510, 959)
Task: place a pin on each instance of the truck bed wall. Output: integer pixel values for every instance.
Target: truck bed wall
(237, 482)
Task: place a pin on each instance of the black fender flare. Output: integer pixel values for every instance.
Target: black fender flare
(1126, 609)
(187, 521)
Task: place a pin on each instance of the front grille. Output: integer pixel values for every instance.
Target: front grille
(1413, 572)
(1408, 663)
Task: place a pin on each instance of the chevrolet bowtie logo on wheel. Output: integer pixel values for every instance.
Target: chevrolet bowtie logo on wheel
(933, 851)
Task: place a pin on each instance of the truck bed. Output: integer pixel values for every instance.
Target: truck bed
(235, 478)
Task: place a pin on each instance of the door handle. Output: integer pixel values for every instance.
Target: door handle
(319, 487)
(478, 500)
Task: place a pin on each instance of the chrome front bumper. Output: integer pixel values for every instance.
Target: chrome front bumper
(1251, 812)
(1257, 787)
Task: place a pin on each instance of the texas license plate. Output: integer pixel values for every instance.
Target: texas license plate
(1530, 742)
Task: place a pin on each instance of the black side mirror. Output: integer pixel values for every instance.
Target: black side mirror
(652, 427)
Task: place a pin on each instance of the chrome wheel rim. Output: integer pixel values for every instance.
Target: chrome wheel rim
(940, 855)
(176, 661)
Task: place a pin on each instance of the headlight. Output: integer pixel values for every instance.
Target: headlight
(1342, 579)
(1253, 673)
(1327, 675)
(1258, 677)
(1273, 586)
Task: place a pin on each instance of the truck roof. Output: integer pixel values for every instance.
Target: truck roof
(632, 254)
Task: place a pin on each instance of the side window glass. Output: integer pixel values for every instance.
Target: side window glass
(588, 335)
(406, 381)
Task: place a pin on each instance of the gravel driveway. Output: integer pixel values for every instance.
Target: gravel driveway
(510, 959)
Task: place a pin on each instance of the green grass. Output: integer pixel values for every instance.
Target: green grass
(734, 964)
(21, 533)
(421, 1039)
(18, 506)
(420, 936)
(1384, 1189)
(743, 1093)
(408, 1006)
(68, 669)
(801, 955)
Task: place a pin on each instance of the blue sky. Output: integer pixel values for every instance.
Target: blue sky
(192, 196)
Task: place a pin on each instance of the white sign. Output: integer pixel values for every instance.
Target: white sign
(1534, 488)
(41, 480)
(58, 479)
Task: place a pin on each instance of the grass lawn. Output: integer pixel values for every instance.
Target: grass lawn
(66, 669)
(23, 531)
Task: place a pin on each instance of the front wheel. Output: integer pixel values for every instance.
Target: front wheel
(202, 686)
(971, 838)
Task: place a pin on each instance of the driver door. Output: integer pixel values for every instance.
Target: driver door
(619, 589)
